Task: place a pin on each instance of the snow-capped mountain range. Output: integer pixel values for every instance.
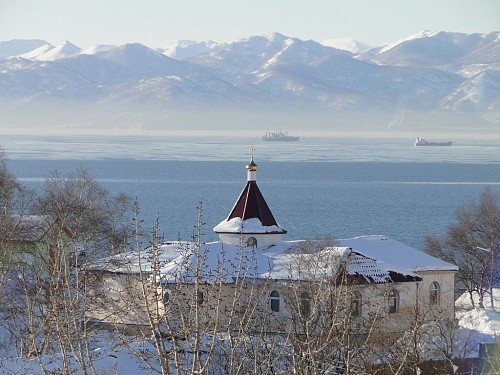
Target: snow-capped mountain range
(429, 72)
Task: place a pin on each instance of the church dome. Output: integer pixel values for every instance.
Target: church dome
(250, 215)
(252, 166)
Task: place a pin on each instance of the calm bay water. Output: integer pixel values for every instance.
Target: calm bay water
(318, 187)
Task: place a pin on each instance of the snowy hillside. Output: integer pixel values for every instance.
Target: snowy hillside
(20, 46)
(185, 49)
(348, 44)
(65, 50)
(428, 72)
(436, 49)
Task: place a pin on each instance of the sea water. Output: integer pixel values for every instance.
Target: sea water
(316, 188)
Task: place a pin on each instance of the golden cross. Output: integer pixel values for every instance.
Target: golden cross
(252, 149)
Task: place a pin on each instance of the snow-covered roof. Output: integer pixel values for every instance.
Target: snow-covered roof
(398, 256)
(29, 228)
(220, 261)
(133, 261)
(369, 259)
(248, 226)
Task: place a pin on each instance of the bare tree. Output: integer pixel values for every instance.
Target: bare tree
(10, 189)
(210, 309)
(14, 199)
(473, 244)
(490, 360)
(44, 308)
(238, 325)
(201, 316)
(14, 202)
(96, 220)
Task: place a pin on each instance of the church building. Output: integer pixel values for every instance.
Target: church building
(250, 223)
(253, 277)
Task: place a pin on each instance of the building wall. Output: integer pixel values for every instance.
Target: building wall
(51, 250)
(445, 306)
(257, 240)
(121, 298)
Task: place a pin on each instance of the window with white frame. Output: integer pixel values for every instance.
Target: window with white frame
(166, 297)
(434, 293)
(393, 301)
(356, 302)
(252, 242)
(305, 304)
(274, 300)
(199, 297)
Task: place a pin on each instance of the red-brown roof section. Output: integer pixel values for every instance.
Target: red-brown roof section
(251, 204)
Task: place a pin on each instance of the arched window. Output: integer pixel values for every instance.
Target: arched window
(305, 304)
(434, 293)
(393, 301)
(274, 298)
(252, 242)
(356, 303)
(166, 297)
(199, 298)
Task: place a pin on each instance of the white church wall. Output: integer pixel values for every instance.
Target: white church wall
(251, 240)
(444, 306)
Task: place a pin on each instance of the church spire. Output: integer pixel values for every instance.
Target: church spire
(250, 214)
(251, 167)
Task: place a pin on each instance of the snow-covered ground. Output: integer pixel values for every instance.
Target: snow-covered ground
(478, 325)
(110, 356)
(107, 358)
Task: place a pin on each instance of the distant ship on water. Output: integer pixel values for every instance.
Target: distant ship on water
(279, 137)
(423, 142)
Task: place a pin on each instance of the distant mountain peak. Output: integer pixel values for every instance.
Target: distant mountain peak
(36, 52)
(185, 49)
(97, 48)
(418, 35)
(133, 53)
(275, 36)
(347, 44)
(425, 34)
(67, 49)
(437, 48)
(16, 47)
(427, 71)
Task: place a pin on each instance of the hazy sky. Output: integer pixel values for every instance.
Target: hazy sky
(157, 23)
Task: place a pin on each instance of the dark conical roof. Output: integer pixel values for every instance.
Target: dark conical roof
(251, 204)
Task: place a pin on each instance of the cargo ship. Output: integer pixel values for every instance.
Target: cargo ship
(279, 137)
(424, 142)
